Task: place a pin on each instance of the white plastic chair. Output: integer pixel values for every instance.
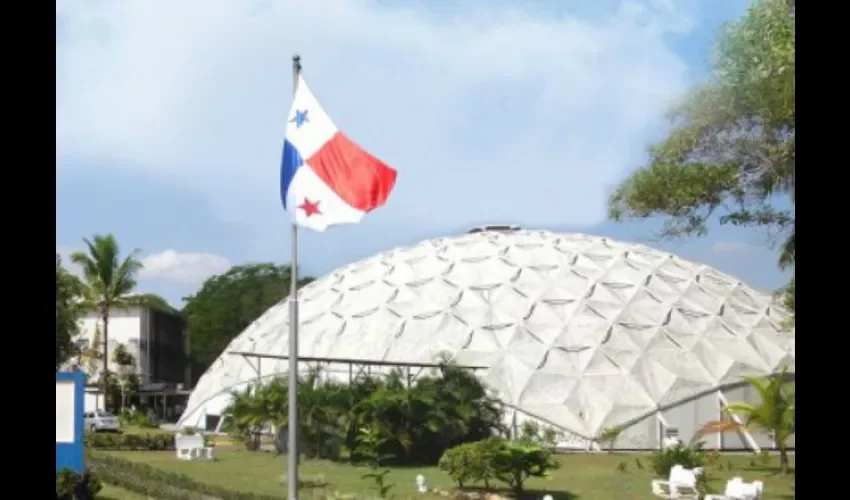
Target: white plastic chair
(681, 485)
(191, 447)
(737, 489)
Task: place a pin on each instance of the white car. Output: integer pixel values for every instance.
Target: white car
(100, 420)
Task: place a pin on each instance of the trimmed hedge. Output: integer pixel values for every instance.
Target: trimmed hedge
(153, 441)
(156, 483)
(147, 442)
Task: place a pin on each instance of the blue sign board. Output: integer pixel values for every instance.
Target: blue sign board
(69, 421)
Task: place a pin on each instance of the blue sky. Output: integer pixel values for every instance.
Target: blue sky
(170, 117)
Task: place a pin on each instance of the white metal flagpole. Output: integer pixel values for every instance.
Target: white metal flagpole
(292, 446)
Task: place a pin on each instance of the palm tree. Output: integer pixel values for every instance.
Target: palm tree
(774, 415)
(109, 284)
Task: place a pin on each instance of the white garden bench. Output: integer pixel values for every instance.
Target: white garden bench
(191, 447)
(681, 485)
(737, 489)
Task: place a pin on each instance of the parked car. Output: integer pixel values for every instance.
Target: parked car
(100, 420)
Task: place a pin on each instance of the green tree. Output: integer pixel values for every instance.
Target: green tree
(226, 304)
(69, 291)
(731, 150)
(775, 414)
(110, 283)
(128, 379)
(415, 423)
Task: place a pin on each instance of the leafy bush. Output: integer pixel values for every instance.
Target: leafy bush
(156, 483)
(688, 457)
(137, 418)
(515, 461)
(471, 462)
(532, 432)
(73, 486)
(147, 442)
(681, 454)
(417, 422)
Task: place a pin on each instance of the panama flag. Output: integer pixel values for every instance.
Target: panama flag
(325, 178)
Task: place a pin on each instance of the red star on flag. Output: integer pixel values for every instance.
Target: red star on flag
(310, 207)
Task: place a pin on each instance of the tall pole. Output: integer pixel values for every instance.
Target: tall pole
(292, 446)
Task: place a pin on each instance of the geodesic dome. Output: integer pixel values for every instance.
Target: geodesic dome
(582, 332)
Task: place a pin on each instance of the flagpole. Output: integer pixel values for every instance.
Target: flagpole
(292, 446)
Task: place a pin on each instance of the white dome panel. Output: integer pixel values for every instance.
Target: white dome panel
(579, 331)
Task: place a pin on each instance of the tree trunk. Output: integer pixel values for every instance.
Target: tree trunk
(105, 316)
(783, 460)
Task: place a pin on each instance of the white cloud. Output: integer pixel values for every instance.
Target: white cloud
(488, 111)
(186, 268)
(732, 247)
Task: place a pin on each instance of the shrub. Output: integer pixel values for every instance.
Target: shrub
(681, 454)
(515, 461)
(533, 432)
(419, 419)
(137, 418)
(470, 462)
(73, 486)
(147, 442)
(189, 431)
(688, 457)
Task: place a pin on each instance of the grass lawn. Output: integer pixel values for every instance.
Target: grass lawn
(581, 476)
(110, 492)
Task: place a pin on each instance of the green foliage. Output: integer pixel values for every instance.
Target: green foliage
(370, 442)
(73, 486)
(515, 461)
(731, 150)
(681, 454)
(156, 483)
(471, 462)
(532, 432)
(137, 418)
(775, 414)
(68, 293)
(154, 441)
(226, 304)
(109, 284)
(688, 457)
(416, 424)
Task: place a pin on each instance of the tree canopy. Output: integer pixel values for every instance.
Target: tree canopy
(414, 422)
(68, 310)
(226, 304)
(731, 150)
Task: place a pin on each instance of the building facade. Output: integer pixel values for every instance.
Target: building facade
(155, 338)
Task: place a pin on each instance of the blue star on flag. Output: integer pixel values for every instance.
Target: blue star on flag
(300, 118)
